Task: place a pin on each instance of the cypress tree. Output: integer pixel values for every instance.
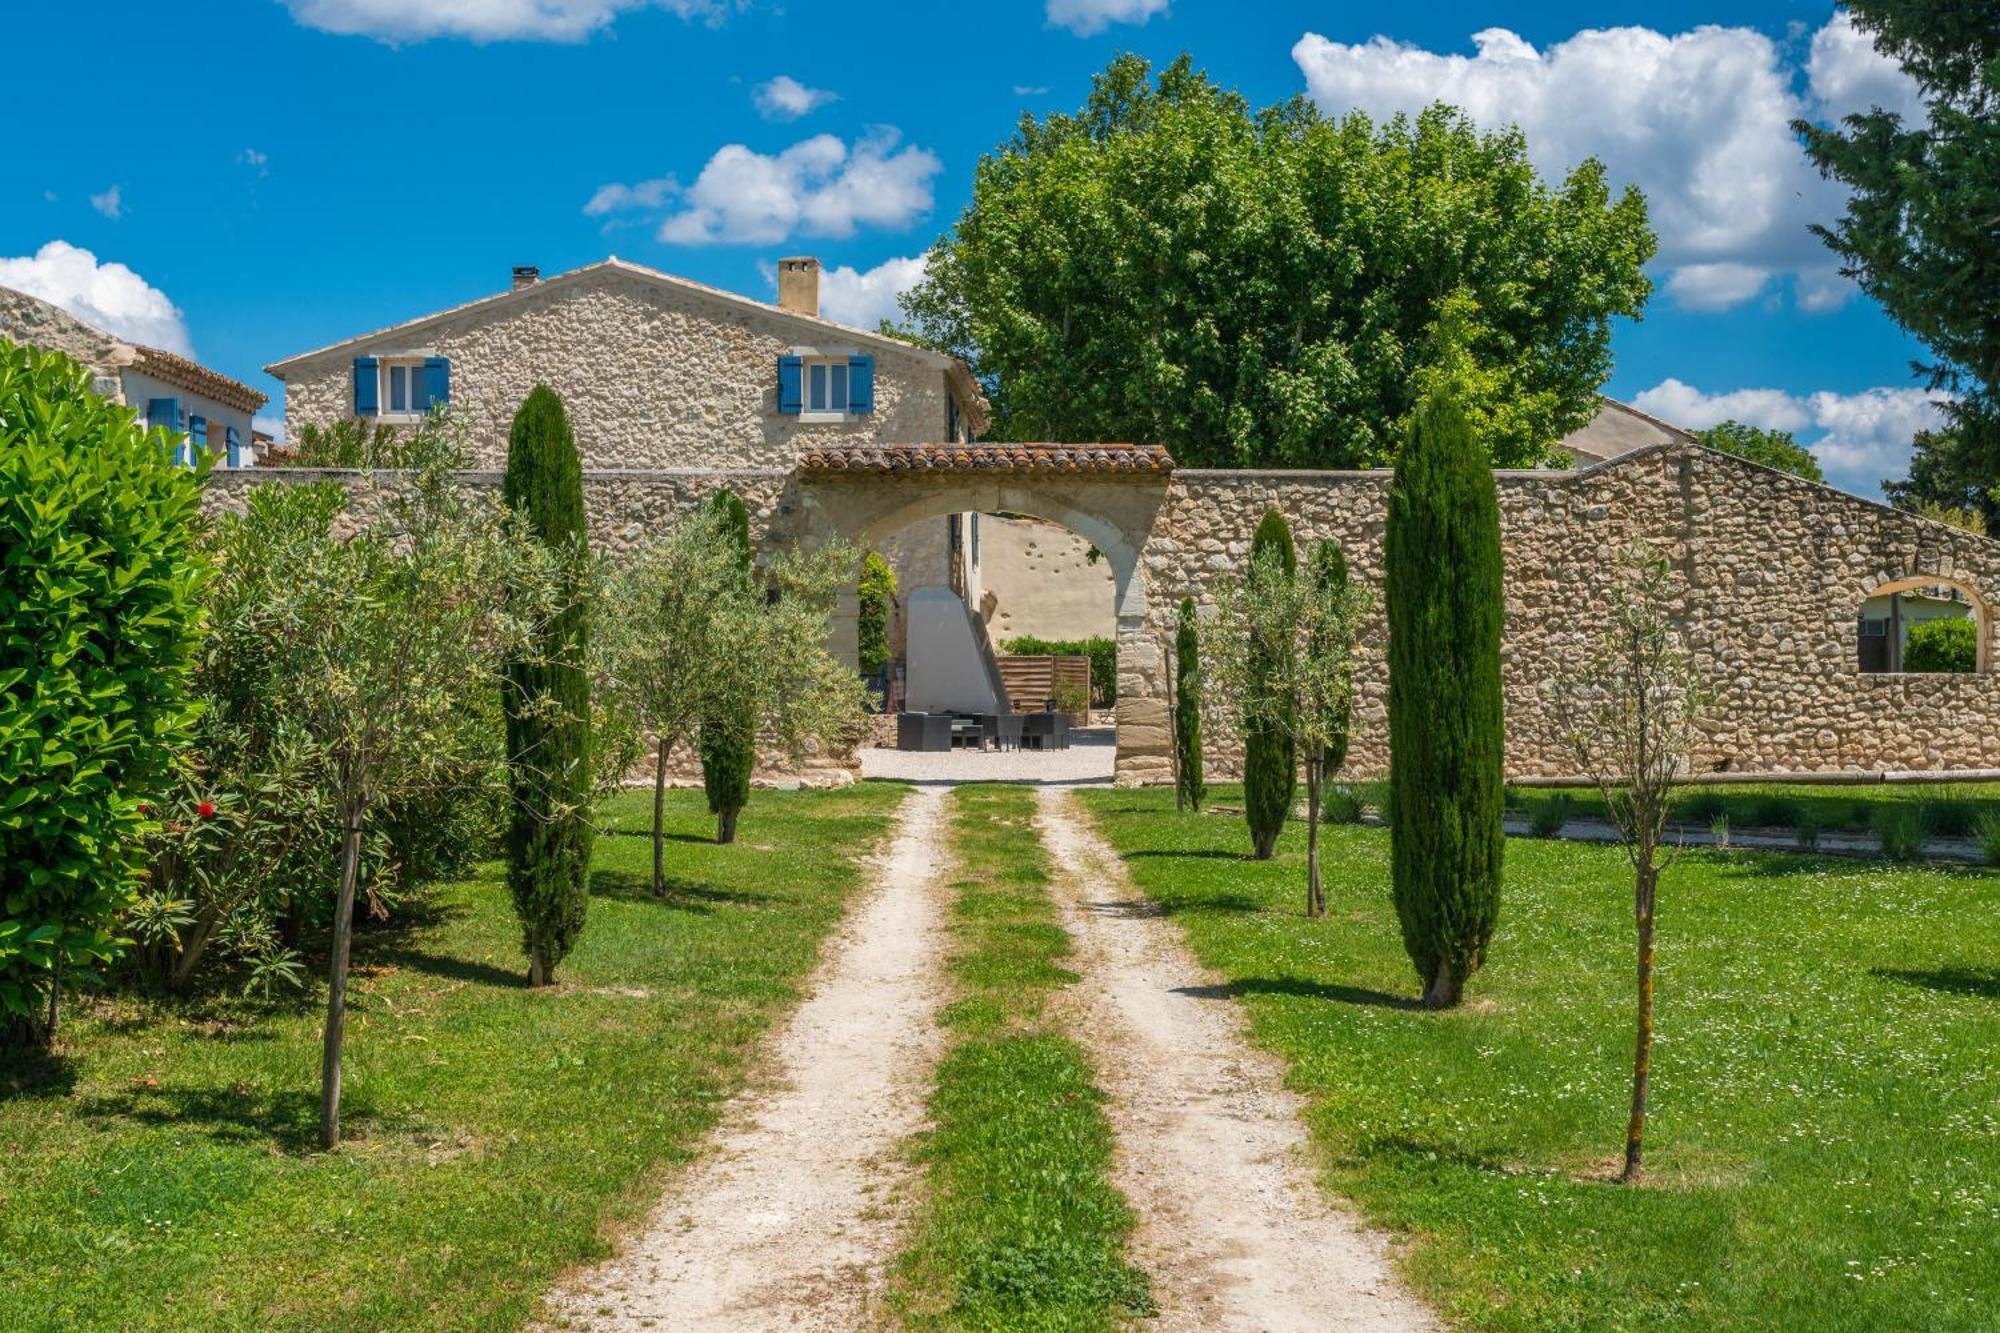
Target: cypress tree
(1187, 710)
(1270, 761)
(729, 738)
(547, 698)
(1446, 736)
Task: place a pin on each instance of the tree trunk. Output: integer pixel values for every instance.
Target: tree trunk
(55, 1003)
(1315, 891)
(336, 988)
(725, 824)
(1642, 1054)
(660, 822)
(292, 925)
(1446, 987)
(538, 968)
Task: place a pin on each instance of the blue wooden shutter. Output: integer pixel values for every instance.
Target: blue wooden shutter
(790, 394)
(437, 382)
(861, 384)
(234, 444)
(165, 413)
(367, 387)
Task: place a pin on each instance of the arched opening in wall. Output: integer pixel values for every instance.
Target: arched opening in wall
(1922, 625)
(996, 655)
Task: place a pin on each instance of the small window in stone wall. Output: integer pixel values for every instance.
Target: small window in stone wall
(1920, 626)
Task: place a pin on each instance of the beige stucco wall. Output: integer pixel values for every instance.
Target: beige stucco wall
(1776, 571)
(652, 375)
(1043, 582)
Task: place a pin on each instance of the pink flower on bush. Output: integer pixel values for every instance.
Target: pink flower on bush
(206, 809)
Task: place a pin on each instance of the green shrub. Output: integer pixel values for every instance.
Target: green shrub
(1770, 811)
(1270, 760)
(548, 699)
(1900, 827)
(1547, 816)
(876, 592)
(1340, 805)
(99, 622)
(1949, 818)
(1445, 605)
(1806, 829)
(1102, 652)
(1943, 646)
(1987, 832)
(1703, 807)
(729, 741)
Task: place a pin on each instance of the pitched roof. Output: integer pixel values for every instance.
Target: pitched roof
(1072, 458)
(973, 397)
(1619, 428)
(45, 324)
(192, 375)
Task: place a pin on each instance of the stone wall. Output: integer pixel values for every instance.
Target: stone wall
(653, 375)
(1777, 569)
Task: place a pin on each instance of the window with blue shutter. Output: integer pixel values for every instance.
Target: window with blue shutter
(791, 398)
(163, 413)
(437, 383)
(367, 387)
(234, 446)
(861, 384)
(197, 444)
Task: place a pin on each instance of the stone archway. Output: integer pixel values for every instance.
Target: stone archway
(1113, 507)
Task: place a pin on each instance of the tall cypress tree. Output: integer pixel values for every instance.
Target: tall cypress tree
(1190, 787)
(547, 698)
(1446, 734)
(729, 737)
(1270, 761)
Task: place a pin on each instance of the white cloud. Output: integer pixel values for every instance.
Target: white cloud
(257, 161)
(271, 426)
(864, 300)
(649, 195)
(1848, 75)
(108, 296)
(397, 21)
(1085, 17)
(785, 98)
(817, 187)
(1716, 286)
(1859, 438)
(109, 203)
(1030, 90)
(1700, 121)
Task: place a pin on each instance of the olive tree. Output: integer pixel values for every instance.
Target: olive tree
(1282, 654)
(1631, 718)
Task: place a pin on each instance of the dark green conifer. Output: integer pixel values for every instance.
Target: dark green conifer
(1190, 788)
(1270, 760)
(1446, 738)
(547, 697)
(729, 737)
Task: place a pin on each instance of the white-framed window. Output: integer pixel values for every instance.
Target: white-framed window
(826, 386)
(404, 393)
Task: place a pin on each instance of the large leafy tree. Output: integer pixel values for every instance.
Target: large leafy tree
(1445, 599)
(1922, 229)
(547, 694)
(1948, 482)
(1260, 287)
(1770, 448)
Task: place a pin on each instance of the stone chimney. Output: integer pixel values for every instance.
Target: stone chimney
(798, 285)
(526, 275)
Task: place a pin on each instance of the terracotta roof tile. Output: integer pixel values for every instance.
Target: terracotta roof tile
(1093, 458)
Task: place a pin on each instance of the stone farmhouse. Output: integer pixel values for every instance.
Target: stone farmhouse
(676, 389)
(166, 389)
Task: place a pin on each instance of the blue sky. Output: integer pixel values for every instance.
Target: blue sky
(284, 173)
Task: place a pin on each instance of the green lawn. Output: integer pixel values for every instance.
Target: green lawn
(162, 1175)
(1020, 1228)
(1825, 1142)
(1946, 809)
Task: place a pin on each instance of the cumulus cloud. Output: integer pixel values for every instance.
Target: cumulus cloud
(817, 187)
(256, 161)
(1849, 76)
(1700, 121)
(109, 203)
(1085, 17)
(864, 300)
(1030, 90)
(650, 196)
(107, 296)
(785, 98)
(399, 21)
(1859, 438)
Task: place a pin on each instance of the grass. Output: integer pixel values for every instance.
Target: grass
(1952, 809)
(162, 1174)
(1020, 1229)
(1824, 1151)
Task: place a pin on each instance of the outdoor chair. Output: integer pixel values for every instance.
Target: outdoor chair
(923, 731)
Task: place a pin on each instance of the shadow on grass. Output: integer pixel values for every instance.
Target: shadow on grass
(455, 969)
(699, 839)
(688, 895)
(1197, 854)
(288, 1119)
(26, 1075)
(1310, 990)
(1983, 982)
(1414, 1151)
